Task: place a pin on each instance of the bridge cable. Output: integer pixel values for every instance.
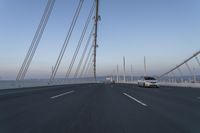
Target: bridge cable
(197, 59)
(86, 60)
(89, 65)
(67, 39)
(184, 62)
(80, 41)
(181, 74)
(189, 68)
(84, 53)
(26, 63)
(32, 44)
(37, 41)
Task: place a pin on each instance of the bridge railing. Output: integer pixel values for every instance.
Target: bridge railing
(10, 84)
(168, 81)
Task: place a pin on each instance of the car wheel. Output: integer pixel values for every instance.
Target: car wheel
(144, 85)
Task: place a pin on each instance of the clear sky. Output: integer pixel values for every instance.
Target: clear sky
(165, 31)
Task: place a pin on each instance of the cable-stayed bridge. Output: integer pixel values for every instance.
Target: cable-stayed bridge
(91, 42)
(83, 102)
(184, 74)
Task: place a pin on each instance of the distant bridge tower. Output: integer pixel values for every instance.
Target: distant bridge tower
(145, 67)
(95, 35)
(124, 66)
(117, 73)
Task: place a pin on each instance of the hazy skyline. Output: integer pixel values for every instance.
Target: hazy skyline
(166, 32)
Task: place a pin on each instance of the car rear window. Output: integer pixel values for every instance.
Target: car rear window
(149, 78)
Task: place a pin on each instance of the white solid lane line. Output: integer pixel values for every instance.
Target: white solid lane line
(53, 97)
(143, 104)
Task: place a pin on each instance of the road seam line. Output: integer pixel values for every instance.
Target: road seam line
(56, 96)
(143, 104)
(18, 92)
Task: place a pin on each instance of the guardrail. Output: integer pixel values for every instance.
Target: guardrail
(170, 84)
(10, 84)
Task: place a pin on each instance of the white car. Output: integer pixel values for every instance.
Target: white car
(148, 82)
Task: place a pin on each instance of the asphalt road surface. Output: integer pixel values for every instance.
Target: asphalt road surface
(100, 108)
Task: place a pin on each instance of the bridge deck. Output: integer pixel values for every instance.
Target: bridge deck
(100, 108)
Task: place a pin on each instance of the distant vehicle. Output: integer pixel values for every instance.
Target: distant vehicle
(109, 80)
(148, 82)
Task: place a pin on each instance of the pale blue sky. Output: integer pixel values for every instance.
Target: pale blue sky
(165, 31)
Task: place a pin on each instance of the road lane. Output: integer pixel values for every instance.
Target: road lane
(39, 116)
(16, 103)
(138, 101)
(136, 118)
(62, 94)
(183, 110)
(100, 108)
